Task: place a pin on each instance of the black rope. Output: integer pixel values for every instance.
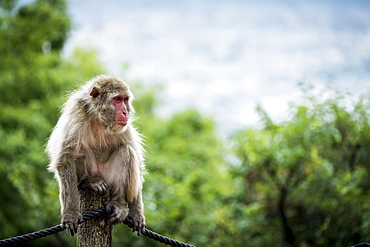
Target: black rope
(47, 231)
(31, 236)
(86, 217)
(158, 237)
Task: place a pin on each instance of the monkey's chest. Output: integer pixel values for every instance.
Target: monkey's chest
(102, 163)
(102, 156)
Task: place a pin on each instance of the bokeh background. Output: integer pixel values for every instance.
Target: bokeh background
(255, 113)
(233, 54)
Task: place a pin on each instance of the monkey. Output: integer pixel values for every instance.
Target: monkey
(95, 146)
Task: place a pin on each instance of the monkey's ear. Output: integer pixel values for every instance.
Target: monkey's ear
(95, 92)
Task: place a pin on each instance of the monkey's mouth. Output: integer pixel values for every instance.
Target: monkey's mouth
(121, 122)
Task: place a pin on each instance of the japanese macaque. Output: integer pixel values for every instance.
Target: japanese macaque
(95, 146)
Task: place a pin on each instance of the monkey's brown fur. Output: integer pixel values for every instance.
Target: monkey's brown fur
(93, 146)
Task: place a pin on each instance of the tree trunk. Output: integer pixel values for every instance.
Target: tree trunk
(289, 236)
(95, 232)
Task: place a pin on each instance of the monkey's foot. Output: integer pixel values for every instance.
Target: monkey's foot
(138, 221)
(118, 211)
(70, 222)
(96, 184)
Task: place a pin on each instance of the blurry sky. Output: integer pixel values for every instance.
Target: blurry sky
(226, 56)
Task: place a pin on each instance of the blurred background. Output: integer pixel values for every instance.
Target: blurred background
(255, 113)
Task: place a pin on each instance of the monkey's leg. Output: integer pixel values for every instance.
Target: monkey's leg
(118, 210)
(96, 184)
(69, 197)
(136, 214)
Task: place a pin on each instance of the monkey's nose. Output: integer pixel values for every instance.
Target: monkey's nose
(124, 113)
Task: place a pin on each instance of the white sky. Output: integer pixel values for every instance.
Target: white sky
(226, 56)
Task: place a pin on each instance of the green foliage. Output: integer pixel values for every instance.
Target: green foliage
(306, 178)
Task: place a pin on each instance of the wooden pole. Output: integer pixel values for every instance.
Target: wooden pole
(95, 232)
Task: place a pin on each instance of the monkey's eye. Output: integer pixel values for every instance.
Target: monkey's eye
(121, 99)
(117, 98)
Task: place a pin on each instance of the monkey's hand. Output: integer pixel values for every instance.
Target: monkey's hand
(96, 184)
(70, 222)
(138, 220)
(118, 211)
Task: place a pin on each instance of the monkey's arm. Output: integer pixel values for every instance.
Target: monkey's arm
(127, 182)
(69, 196)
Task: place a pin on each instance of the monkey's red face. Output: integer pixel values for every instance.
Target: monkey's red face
(110, 103)
(120, 104)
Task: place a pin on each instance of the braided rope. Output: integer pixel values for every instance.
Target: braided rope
(157, 237)
(31, 236)
(86, 217)
(47, 231)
